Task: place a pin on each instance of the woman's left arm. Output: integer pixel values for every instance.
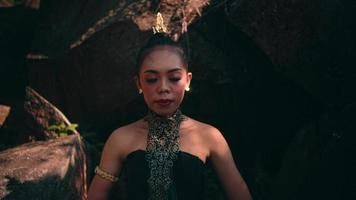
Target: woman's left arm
(224, 165)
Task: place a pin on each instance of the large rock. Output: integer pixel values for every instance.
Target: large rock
(40, 115)
(53, 169)
(4, 136)
(310, 42)
(4, 113)
(69, 24)
(28, 3)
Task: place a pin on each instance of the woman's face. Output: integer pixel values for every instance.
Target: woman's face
(163, 80)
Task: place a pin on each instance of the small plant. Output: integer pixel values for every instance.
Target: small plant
(62, 129)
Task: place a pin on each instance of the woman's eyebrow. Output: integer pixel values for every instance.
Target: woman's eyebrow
(174, 70)
(156, 72)
(151, 71)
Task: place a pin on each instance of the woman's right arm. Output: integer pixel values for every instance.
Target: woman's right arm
(111, 160)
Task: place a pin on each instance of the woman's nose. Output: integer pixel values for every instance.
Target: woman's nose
(163, 87)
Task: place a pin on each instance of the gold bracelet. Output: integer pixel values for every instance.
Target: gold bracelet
(105, 175)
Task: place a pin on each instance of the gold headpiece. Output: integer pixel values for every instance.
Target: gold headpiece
(160, 27)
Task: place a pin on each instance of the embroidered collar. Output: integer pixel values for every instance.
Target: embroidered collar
(162, 150)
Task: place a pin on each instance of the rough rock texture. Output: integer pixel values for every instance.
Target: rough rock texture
(270, 23)
(59, 32)
(4, 113)
(53, 169)
(310, 42)
(40, 115)
(177, 16)
(28, 3)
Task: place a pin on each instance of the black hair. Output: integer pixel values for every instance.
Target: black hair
(160, 39)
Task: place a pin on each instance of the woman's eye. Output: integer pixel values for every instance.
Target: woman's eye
(151, 80)
(175, 79)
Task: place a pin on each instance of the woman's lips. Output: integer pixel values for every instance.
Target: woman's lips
(164, 102)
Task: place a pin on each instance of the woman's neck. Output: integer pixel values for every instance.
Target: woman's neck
(169, 116)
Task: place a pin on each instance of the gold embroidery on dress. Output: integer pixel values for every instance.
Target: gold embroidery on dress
(162, 150)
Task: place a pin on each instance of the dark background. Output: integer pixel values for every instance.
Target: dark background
(276, 77)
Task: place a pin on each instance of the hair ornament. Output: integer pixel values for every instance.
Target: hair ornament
(159, 27)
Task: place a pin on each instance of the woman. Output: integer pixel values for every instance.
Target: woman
(163, 155)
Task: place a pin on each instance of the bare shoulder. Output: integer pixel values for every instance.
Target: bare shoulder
(210, 135)
(206, 130)
(123, 133)
(126, 137)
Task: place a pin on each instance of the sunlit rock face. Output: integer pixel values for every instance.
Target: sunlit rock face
(4, 113)
(177, 16)
(40, 115)
(44, 170)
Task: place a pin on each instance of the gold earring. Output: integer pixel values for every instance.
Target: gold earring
(187, 89)
(140, 91)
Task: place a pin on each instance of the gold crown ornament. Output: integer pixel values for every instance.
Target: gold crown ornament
(159, 27)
